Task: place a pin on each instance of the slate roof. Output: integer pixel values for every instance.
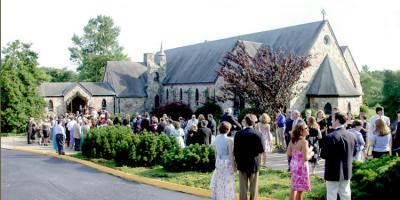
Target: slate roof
(330, 81)
(128, 79)
(198, 63)
(61, 88)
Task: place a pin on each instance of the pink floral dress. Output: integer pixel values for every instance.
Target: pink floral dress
(300, 173)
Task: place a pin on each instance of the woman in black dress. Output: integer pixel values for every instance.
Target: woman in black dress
(313, 138)
(323, 127)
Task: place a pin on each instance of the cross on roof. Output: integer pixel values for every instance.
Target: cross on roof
(323, 14)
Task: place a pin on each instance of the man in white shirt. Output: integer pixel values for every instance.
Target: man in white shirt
(191, 122)
(379, 115)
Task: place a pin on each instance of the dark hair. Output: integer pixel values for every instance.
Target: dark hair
(224, 127)
(356, 123)
(341, 117)
(248, 120)
(297, 132)
(377, 109)
(398, 111)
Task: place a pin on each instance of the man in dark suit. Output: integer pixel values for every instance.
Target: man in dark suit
(247, 149)
(227, 117)
(338, 153)
(203, 134)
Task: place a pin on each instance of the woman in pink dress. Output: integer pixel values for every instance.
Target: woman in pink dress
(300, 152)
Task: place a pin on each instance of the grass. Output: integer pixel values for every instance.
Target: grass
(12, 134)
(272, 183)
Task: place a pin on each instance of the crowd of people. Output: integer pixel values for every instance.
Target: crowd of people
(244, 146)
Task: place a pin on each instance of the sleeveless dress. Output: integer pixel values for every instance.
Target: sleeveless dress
(222, 183)
(300, 180)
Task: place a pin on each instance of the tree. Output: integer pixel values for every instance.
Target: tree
(60, 75)
(19, 81)
(372, 82)
(391, 93)
(95, 47)
(265, 80)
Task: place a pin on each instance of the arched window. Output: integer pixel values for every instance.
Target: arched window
(104, 104)
(181, 95)
(50, 106)
(167, 95)
(197, 97)
(349, 107)
(328, 108)
(157, 101)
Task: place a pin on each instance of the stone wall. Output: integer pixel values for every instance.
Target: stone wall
(318, 103)
(96, 103)
(353, 68)
(58, 105)
(130, 105)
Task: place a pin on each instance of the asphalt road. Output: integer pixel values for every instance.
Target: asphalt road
(37, 177)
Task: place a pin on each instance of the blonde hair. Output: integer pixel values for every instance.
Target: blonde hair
(381, 127)
(201, 117)
(322, 113)
(265, 119)
(312, 123)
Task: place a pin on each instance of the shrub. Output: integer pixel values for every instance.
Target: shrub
(210, 108)
(175, 110)
(192, 158)
(376, 178)
(313, 112)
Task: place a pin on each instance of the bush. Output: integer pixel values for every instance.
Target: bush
(175, 110)
(192, 158)
(103, 142)
(313, 112)
(376, 178)
(118, 143)
(210, 108)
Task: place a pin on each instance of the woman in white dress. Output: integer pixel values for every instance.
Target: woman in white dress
(263, 128)
(178, 133)
(223, 180)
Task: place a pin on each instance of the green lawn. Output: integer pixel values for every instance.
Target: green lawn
(272, 183)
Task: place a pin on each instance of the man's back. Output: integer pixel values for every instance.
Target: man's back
(203, 135)
(338, 152)
(247, 147)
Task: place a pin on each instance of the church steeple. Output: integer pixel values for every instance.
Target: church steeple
(162, 58)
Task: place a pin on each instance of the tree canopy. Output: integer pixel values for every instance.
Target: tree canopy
(19, 81)
(391, 93)
(264, 80)
(95, 47)
(372, 83)
(60, 75)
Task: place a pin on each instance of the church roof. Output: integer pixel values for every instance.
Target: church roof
(198, 63)
(61, 88)
(127, 78)
(330, 81)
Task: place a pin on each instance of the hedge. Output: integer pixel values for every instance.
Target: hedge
(191, 158)
(376, 178)
(146, 149)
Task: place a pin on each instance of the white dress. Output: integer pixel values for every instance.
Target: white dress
(223, 180)
(179, 134)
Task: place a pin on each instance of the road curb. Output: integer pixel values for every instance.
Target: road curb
(140, 179)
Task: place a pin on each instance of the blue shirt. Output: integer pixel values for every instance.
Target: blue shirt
(281, 121)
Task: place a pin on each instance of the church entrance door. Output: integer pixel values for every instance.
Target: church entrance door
(76, 104)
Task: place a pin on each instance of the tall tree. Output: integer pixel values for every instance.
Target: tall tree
(264, 80)
(19, 81)
(391, 93)
(95, 47)
(60, 75)
(372, 82)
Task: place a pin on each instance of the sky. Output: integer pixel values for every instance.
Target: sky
(370, 28)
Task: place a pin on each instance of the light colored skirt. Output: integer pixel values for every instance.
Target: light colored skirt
(223, 181)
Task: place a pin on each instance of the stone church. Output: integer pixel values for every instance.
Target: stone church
(188, 74)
